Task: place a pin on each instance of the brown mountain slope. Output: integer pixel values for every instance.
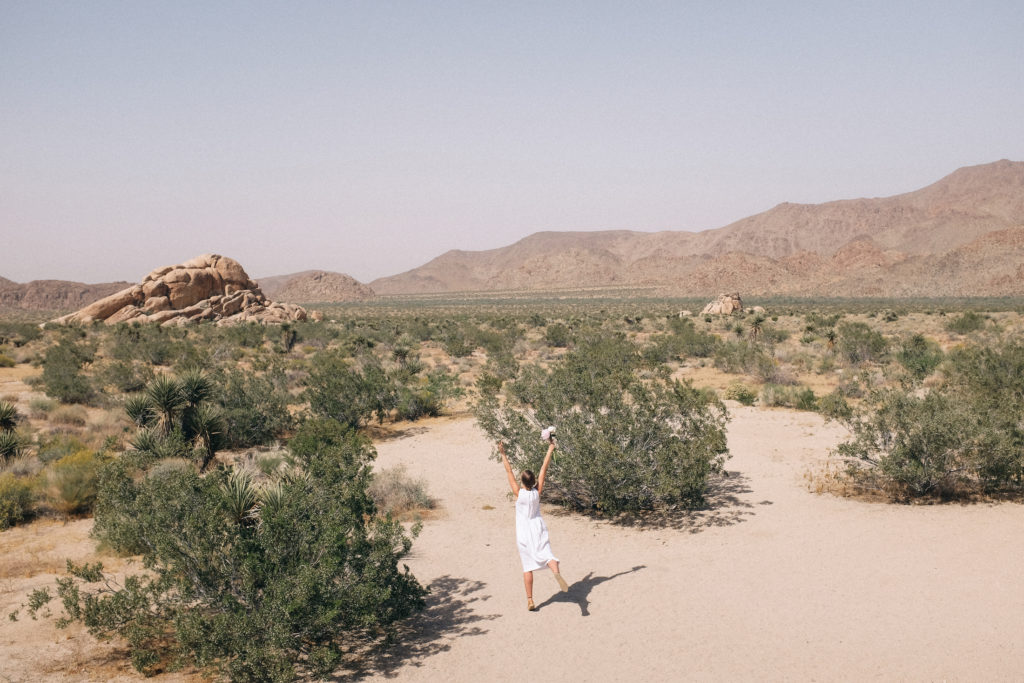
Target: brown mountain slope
(859, 247)
(53, 295)
(315, 286)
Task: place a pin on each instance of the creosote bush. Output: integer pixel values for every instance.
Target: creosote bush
(262, 582)
(627, 440)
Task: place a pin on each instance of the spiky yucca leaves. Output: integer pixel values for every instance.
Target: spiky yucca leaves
(10, 445)
(167, 398)
(207, 427)
(241, 496)
(140, 410)
(152, 443)
(195, 387)
(8, 416)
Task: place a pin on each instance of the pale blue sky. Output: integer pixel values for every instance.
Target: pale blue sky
(369, 137)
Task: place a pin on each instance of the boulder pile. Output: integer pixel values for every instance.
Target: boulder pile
(725, 304)
(210, 287)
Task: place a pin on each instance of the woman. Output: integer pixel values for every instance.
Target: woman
(531, 532)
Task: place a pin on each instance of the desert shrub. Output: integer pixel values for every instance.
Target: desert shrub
(126, 376)
(6, 361)
(15, 500)
(19, 334)
(394, 492)
(919, 356)
(74, 480)
(834, 406)
(625, 443)
(39, 408)
(921, 445)
(425, 396)
(557, 335)
(69, 416)
(743, 357)
(776, 396)
(805, 399)
(738, 391)
(859, 343)
(264, 584)
(966, 322)
(255, 410)
(456, 342)
(348, 393)
(57, 446)
(63, 378)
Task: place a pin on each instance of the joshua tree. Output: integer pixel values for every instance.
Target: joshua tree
(756, 326)
(830, 339)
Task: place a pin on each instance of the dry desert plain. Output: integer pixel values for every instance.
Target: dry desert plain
(773, 582)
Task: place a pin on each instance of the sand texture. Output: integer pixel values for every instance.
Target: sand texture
(773, 582)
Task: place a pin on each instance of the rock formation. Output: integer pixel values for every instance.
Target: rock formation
(725, 304)
(53, 295)
(209, 287)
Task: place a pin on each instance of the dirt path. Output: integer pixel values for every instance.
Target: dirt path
(773, 583)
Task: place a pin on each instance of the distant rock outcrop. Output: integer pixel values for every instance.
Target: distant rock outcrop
(209, 287)
(725, 304)
(315, 286)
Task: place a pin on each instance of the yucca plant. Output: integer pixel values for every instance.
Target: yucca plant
(140, 410)
(207, 426)
(271, 498)
(167, 399)
(10, 445)
(8, 417)
(241, 495)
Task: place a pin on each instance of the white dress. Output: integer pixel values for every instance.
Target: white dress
(531, 532)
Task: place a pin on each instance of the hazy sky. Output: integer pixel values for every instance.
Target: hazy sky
(369, 137)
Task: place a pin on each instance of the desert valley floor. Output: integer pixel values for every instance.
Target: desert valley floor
(773, 582)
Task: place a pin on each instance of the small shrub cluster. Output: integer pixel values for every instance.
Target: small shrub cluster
(625, 442)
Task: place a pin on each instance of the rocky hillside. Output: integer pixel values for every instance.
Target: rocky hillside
(959, 236)
(53, 295)
(315, 286)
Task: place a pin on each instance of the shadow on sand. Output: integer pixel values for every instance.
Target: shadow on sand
(723, 507)
(579, 591)
(450, 613)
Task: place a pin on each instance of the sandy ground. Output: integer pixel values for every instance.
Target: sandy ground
(773, 582)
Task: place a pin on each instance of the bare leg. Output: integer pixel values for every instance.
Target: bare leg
(528, 583)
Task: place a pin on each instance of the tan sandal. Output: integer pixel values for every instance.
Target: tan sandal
(561, 582)
(529, 604)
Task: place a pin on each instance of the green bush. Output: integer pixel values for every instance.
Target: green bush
(348, 393)
(858, 343)
(74, 479)
(834, 406)
(625, 442)
(927, 445)
(263, 584)
(919, 356)
(742, 393)
(63, 378)
(255, 411)
(557, 335)
(6, 361)
(15, 500)
(966, 322)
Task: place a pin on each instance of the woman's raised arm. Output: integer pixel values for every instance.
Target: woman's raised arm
(544, 467)
(513, 484)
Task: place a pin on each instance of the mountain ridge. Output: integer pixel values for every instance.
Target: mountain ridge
(761, 254)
